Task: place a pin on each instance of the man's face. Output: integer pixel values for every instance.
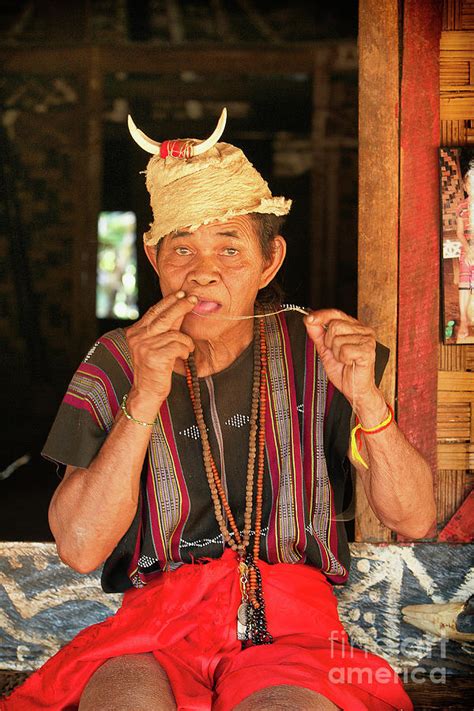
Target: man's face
(222, 264)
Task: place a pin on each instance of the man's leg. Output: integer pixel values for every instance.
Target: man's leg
(276, 698)
(133, 681)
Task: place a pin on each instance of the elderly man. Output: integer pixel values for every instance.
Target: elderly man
(206, 460)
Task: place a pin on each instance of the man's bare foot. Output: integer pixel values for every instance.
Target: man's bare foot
(463, 331)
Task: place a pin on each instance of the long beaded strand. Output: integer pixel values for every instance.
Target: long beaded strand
(260, 471)
(256, 618)
(218, 495)
(256, 627)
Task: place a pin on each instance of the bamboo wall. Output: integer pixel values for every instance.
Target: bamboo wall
(401, 121)
(455, 422)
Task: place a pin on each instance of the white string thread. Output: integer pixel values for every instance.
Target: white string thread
(285, 307)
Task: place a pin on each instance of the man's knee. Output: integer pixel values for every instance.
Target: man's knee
(276, 698)
(131, 681)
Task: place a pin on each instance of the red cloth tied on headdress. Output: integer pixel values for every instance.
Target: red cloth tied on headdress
(176, 149)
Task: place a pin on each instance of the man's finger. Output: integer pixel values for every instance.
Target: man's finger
(172, 317)
(174, 350)
(323, 317)
(343, 327)
(192, 300)
(346, 329)
(351, 355)
(162, 305)
(156, 342)
(354, 348)
(317, 333)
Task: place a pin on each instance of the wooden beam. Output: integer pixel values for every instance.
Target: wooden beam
(378, 198)
(155, 59)
(240, 89)
(44, 60)
(211, 60)
(160, 59)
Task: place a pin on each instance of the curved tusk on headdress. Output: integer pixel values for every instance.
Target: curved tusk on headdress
(214, 137)
(143, 141)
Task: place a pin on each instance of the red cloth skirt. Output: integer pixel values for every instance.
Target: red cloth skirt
(187, 619)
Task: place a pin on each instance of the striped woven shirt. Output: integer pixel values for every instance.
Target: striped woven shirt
(306, 480)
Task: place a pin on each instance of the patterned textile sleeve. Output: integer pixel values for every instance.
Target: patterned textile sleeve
(91, 402)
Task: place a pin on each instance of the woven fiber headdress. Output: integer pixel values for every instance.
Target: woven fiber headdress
(192, 183)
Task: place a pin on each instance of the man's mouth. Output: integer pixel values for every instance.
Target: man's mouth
(206, 307)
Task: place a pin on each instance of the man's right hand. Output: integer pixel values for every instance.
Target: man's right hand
(155, 343)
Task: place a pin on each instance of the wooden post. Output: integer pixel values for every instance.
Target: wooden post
(321, 91)
(418, 290)
(378, 199)
(85, 249)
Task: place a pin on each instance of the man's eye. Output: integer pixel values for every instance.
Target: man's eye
(230, 251)
(183, 251)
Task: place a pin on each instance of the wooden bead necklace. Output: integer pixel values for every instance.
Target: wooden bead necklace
(251, 620)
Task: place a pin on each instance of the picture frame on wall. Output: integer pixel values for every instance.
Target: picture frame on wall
(457, 243)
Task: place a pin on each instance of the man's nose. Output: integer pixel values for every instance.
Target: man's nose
(205, 272)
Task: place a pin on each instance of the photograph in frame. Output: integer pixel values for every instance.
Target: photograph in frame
(457, 244)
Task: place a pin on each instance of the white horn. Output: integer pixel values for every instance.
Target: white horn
(143, 141)
(200, 148)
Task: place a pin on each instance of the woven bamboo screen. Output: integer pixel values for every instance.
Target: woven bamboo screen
(455, 426)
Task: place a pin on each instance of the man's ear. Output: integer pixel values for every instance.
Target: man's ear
(151, 253)
(276, 260)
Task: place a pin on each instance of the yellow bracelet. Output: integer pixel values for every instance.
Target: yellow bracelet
(356, 455)
(130, 417)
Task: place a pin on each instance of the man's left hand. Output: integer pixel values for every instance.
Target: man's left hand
(347, 351)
